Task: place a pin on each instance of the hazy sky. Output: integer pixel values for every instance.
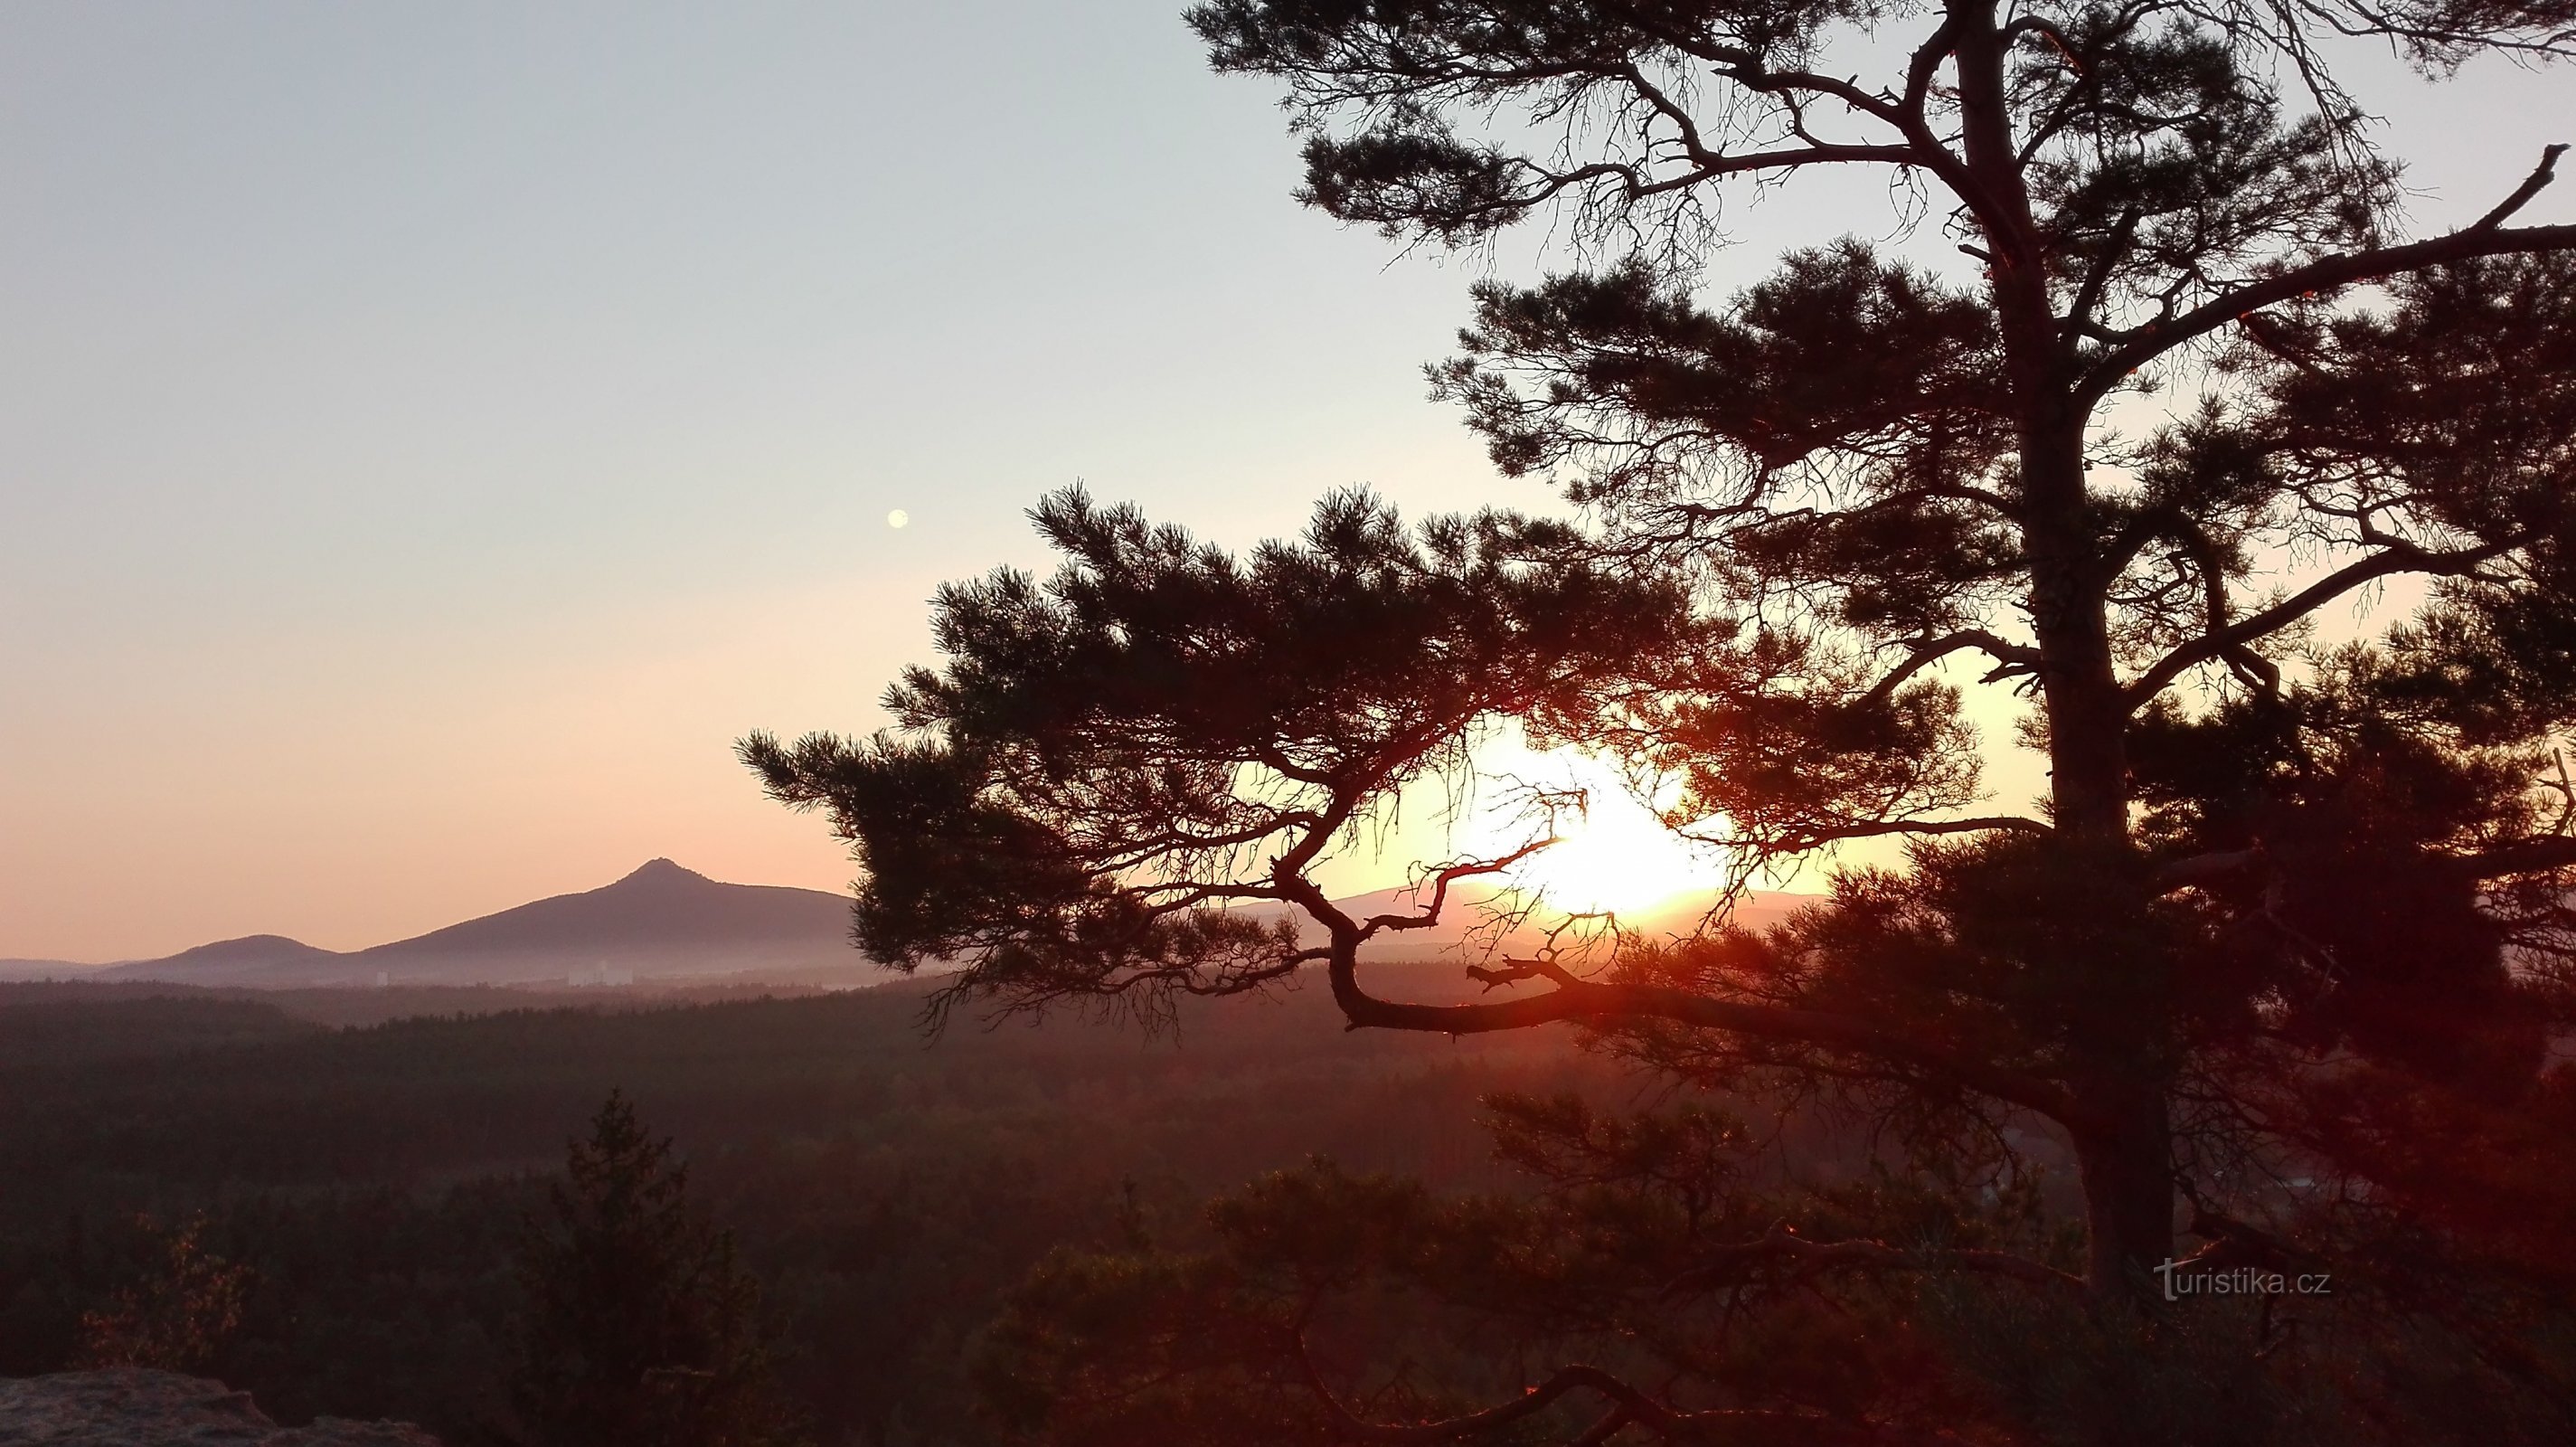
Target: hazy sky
(430, 434)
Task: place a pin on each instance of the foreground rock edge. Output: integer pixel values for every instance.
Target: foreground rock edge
(136, 1407)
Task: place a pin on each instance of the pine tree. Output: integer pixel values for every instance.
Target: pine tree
(2278, 967)
(641, 1327)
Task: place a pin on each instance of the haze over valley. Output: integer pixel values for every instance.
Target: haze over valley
(665, 925)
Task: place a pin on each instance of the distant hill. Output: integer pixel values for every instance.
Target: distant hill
(45, 970)
(665, 925)
(253, 951)
(660, 923)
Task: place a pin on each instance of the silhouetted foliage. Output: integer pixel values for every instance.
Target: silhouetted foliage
(1192, 668)
(179, 1316)
(2289, 928)
(641, 1326)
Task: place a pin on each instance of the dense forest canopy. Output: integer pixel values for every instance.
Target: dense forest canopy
(376, 1182)
(2278, 959)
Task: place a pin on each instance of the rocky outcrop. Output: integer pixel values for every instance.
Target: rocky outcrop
(131, 1407)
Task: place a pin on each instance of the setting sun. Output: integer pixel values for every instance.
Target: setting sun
(1614, 855)
(1619, 859)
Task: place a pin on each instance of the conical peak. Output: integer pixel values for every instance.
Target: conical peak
(663, 872)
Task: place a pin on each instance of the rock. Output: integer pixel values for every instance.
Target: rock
(132, 1407)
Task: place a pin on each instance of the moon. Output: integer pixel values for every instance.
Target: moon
(897, 518)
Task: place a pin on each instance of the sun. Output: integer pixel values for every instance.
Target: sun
(1614, 855)
(1617, 858)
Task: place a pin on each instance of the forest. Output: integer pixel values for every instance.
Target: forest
(887, 1190)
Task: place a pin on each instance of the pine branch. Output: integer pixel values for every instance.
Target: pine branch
(1573, 999)
(2481, 239)
(2388, 562)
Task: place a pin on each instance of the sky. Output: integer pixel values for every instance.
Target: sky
(431, 434)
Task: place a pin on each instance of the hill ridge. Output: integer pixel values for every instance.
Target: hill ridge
(663, 921)
(660, 920)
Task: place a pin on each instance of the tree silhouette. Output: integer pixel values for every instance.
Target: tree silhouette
(640, 1326)
(179, 1317)
(2289, 932)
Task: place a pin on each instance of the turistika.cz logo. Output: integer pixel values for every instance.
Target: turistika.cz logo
(2181, 1280)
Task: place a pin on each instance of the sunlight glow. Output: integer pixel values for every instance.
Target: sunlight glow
(1615, 855)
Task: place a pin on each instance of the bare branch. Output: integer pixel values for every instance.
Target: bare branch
(1446, 876)
(1878, 829)
(2541, 175)
(2201, 870)
(1593, 1002)
(2013, 657)
(2388, 562)
(1783, 1243)
(2529, 856)
(2088, 294)
(2328, 274)
(2048, 31)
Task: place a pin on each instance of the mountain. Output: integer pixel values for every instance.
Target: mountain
(659, 915)
(662, 922)
(666, 924)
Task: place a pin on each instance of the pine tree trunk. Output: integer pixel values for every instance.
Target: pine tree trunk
(2123, 1044)
(2128, 1188)
(2125, 1040)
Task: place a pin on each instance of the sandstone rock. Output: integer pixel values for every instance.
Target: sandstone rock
(131, 1407)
